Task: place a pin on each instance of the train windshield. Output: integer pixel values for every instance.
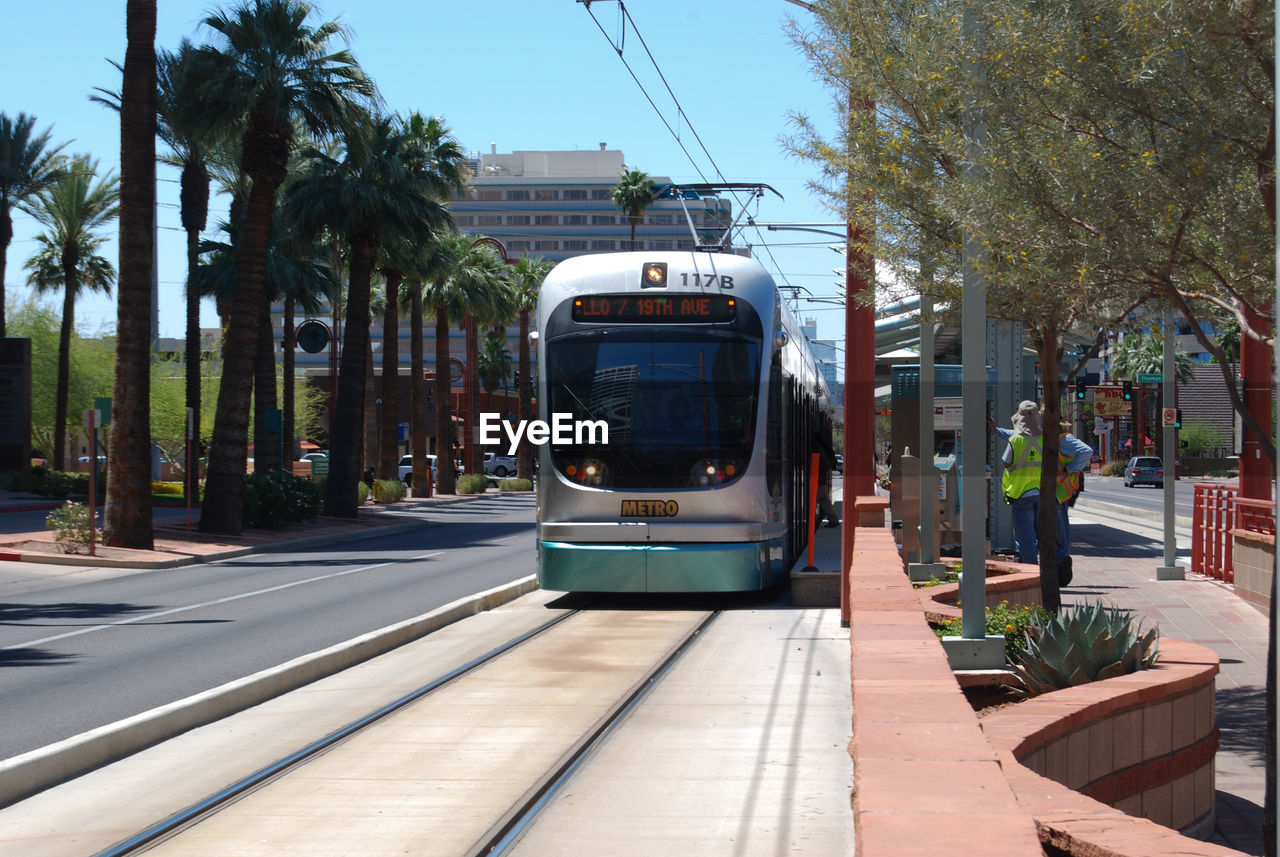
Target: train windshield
(680, 406)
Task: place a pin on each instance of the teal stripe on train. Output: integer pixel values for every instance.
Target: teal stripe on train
(660, 568)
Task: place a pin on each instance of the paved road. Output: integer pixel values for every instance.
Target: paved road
(74, 656)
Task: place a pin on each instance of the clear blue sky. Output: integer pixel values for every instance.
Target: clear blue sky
(524, 74)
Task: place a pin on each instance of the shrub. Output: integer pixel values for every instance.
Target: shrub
(273, 500)
(1114, 468)
(362, 493)
(1083, 643)
(388, 491)
(166, 488)
(70, 525)
(1011, 620)
(472, 483)
(516, 485)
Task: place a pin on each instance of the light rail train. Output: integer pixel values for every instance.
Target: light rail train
(713, 403)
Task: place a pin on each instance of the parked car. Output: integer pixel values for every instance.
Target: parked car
(312, 456)
(406, 469)
(839, 468)
(1142, 469)
(499, 465)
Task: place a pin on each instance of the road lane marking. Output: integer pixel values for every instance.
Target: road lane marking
(174, 610)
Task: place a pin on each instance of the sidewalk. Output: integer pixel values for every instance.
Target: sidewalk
(1209, 613)
(177, 545)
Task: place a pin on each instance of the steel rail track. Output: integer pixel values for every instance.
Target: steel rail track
(174, 824)
(507, 831)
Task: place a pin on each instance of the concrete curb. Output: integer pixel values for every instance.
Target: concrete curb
(1179, 521)
(25, 775)
(196, 559)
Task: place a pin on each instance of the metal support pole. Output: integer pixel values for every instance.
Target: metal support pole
(928, 566)
(1170, 570)
(973, 650)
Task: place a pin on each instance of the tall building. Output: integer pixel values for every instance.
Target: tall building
(824, 352)
(558, 204)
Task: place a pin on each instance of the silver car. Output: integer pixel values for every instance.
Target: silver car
(1144, 469)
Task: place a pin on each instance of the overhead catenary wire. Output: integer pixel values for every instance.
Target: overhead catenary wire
(619, 48)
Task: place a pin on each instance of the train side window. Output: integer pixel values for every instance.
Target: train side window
(773, 438)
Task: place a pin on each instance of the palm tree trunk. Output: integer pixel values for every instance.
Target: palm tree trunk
(445, 481)
(388, 457)
(471, 458)
(524, 464)
(194, 202)
(224, 488)
(347, 434)
(287, 426)
(128, 508)
(370, 436)
(266, 435)
(191, 466)
(6, 236)
(417, 395)
(64, 360)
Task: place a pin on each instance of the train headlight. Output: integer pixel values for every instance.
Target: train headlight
(588, 472)
(711, 472)
(654, 276)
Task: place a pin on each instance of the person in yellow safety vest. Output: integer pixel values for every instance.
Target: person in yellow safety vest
(1021, 483)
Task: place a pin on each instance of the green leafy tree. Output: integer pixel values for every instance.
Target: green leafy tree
(270, 69)
(28, 164)
(90, 368)
(73, 211)
(633, 193)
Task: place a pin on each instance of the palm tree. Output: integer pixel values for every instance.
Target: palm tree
(492, 305)
(92, 273)
(188, 150)
(1138, 354)
(495, 364)
(128, 508)
(26, 167)
(527, 277)
(73, 210)
(442, 161)
(371, 199)
(271, 70)
(459, 279)
(633, 193)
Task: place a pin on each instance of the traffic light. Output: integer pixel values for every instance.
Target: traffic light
(1177, 419)
(1081, 387)
(1127, 387)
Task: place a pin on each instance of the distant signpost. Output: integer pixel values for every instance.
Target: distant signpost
(319, 467)
(1149, 378)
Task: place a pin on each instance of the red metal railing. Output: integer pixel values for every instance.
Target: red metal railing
(1218, 510)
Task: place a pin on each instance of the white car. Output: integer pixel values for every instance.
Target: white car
(499, 465)
(406, 469)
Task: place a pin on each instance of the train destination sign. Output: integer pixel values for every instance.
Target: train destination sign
(646, 309)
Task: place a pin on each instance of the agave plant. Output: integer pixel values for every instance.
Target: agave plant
(1080, 644)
